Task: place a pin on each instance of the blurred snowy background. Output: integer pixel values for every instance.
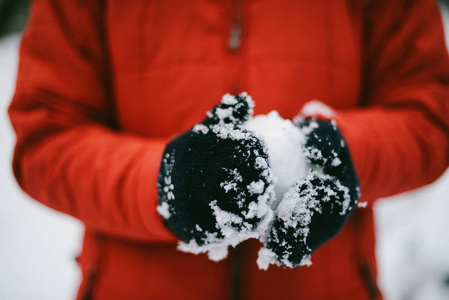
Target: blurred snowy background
(38, 246)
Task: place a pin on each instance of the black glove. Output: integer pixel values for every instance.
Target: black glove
(315, 209)
(214, 182)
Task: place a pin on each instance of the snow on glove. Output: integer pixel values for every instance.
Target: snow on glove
(325, 147)
(215, 186)
(315, 209)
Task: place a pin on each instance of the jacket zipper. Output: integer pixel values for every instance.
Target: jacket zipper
(235, 35)
(234, 61)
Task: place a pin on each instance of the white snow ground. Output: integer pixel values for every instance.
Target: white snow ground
(38, 245)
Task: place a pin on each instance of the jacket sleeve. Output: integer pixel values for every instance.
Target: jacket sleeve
(399, 139)
(68, 156)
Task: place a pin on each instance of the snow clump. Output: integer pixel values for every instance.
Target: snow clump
(285, 142)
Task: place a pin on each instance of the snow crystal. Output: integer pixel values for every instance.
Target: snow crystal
(232, 185)
(163, 210)
(224, 113)
(252, 210)
(256, 187)
(306, 261)
(297, 208)
(306, 129)
(261, 163)
(336, 162)
(225, 220)
(227, 131)
(266, 258)
(237, 176)
(347, 198)
(227, 186)
(229, 99)
(362, 204)
(200, 128)
(268, 198)
(317, 108)
(216, 251)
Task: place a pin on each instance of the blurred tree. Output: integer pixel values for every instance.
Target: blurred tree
(13, 16)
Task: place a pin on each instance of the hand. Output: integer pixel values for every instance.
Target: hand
(214, 184)
(315, 209)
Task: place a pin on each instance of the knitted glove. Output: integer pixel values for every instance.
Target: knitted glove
(315, 209)
(214, 184)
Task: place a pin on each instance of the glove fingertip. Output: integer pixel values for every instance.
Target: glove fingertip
(234, 110)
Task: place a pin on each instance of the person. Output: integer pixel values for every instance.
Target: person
(104, 86)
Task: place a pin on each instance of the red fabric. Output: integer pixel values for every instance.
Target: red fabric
(103, 85)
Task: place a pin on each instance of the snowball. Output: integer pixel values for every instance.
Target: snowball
(284, 143)
(286, 166)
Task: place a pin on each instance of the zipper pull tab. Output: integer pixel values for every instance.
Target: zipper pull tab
(235, 36)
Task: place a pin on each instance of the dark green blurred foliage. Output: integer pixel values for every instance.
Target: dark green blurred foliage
(444, 4)
(13, 16)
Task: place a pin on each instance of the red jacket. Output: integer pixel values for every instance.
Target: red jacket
(103, 85)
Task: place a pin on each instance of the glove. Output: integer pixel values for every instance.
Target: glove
(315, 209)
(215, 186)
